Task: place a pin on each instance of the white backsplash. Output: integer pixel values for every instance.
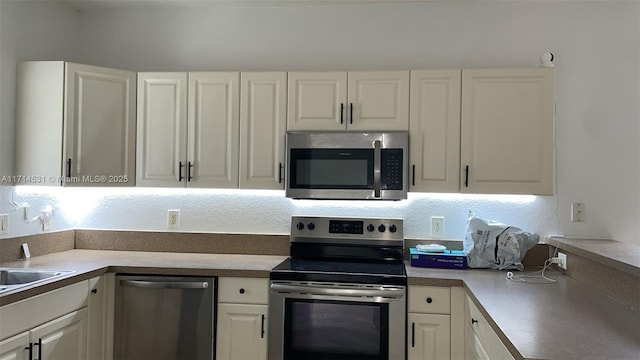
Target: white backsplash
(264, 212)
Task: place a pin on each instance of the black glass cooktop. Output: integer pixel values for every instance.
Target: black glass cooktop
(365, 272)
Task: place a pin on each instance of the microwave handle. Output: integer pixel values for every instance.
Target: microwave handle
(377, 159)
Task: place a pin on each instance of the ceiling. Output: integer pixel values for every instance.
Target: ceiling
(104, 4)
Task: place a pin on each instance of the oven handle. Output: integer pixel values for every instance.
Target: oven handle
(318, 290)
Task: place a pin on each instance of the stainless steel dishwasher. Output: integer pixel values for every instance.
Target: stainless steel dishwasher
(164, 317)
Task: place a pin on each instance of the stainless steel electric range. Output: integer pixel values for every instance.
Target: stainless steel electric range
(342, 292)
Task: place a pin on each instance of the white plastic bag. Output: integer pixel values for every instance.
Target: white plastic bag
(496, 246)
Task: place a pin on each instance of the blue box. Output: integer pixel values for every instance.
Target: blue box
(449, 259)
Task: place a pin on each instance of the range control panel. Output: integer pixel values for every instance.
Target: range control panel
(346, 228)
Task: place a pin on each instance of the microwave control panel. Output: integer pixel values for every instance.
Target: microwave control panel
(391, 169)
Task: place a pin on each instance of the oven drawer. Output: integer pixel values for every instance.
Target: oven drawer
(243, 290)
(430, 299)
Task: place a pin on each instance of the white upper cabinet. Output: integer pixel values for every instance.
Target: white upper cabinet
(435, 130)
(507, 131)
(75, 124)
(263, 107)
(162, 129)
(213, 128)
(353, 101)
(188, 129)
(317, 100)
(378, 100)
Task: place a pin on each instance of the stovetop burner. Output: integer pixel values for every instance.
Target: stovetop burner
(384, 273)
(363, 251)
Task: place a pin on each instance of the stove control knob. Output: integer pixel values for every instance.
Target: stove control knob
(382, 228)
(370, 228)
(311, 226)
(393, 228)
(300, 226)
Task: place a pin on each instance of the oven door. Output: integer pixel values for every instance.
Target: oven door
(336, 321)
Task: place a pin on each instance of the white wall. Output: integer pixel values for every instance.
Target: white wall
(29, 30)
(597, 48)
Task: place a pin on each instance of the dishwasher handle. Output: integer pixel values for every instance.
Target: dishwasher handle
(165, 284)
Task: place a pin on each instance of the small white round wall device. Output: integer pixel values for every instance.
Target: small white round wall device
(546, 60)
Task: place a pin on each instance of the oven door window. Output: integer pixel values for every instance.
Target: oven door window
(331, 169)
(326, 329)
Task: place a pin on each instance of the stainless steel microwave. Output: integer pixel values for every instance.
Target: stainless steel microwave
(345, 165)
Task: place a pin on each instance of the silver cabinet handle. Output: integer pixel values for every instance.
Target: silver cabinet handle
(313, 290)
(165, 284)
(377, 159)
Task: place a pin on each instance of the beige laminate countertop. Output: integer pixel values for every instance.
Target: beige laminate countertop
(564, 320)
(89, 263)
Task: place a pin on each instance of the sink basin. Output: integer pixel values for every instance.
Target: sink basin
(12, 278)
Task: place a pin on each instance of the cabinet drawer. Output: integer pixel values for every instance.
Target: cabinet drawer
(243, 290)
(31, 312)
(430, 299)
(480, 327)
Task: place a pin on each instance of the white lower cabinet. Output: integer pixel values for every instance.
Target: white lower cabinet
(242, 331)
(52, 325)
(429, 336)
(429, 323)
(242, 321)
(100, 316)
(62, 338)
(15, 347)
(481, 341)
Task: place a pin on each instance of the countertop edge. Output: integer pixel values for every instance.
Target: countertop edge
(606, 252)
(99, 262)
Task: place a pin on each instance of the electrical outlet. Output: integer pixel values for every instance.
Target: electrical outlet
(173, 219)
(577, 212)
(45, 218)
(46, 225)
(437, 226)
(4, 223)
(26, 211)
(563, 260)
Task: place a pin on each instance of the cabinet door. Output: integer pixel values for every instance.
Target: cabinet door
(162, 129)
(15, 348)
(317, 101)
(262, 128)
(99, 126)
(435, 130)
(100, 314)
(380, 100)
(507, 131)
(39, 114)
(428, 336)
(242, 332)
(473, 349)
(213, 129)
(62, 338)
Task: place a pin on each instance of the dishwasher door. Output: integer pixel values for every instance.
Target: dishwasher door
(164, 317)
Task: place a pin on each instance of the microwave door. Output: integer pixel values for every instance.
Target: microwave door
(331, 173)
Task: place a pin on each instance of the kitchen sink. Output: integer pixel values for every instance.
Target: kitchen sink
(13, 278)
